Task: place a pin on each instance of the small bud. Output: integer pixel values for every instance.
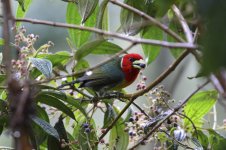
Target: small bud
(13, 62)
(143, 87)
(144, 78)
(103, 130)
(102, 141)
(36, 37)
(63, 145)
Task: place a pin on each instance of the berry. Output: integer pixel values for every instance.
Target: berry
(85, 125)
(87, 130)
(131, 119)
(130, 133)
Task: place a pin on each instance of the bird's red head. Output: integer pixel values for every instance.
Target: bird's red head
(131, 64)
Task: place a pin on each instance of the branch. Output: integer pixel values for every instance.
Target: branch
(111, 34)
(183, 23)
(7, 17)
(214, 117)
(151, 19)
(170, 114)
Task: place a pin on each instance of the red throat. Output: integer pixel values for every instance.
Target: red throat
(130, 72)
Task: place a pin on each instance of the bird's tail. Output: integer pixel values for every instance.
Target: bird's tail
(70, 84)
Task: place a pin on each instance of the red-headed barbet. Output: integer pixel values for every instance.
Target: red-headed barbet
(114, 75)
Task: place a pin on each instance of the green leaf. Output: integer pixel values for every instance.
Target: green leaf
(119, 139)
(46, 127)
(198, 106)
(97, 47)
(70, 100)
(176, 27)
(3, 116)
(80, 65)
(40, 135)
(87, 48)
(56, 102)
(202, 138)
(217, 141)
(78, 37)
(59, 58)
(129, 114)
(66, 98)
(22, 9)
(102, 19)
(1, 41)
(54, 144)
(43, 65)
(106, 48)
(86, 8)
(213, 34)
(162, 6)
(131, 22)
(151, 52)
(109, 116)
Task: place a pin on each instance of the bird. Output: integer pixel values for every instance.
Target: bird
(116, 74)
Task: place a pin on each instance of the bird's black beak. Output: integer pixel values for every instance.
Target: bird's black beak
(139, 64)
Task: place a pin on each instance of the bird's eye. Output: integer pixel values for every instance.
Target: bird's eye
(131, 59)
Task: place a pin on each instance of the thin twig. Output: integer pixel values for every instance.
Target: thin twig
(141, 110)
(214, 117)
(187, 31)
(111, 34)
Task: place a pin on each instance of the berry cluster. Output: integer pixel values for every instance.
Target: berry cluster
(135, 126)
(25, 46)
(86, 127)
(25, 42)
(65, 144)
(158, 101)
